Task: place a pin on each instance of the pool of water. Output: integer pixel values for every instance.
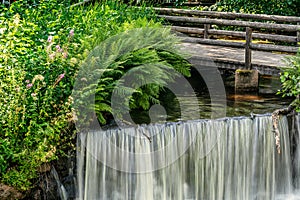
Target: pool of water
(246, 104)
(236, 105)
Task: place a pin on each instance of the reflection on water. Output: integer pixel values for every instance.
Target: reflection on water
(176, 108)
(237, 105)
(257, 104)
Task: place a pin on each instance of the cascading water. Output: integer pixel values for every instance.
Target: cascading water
(232, 158)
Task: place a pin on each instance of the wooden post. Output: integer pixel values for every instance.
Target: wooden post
(246, 80)
(298, 36)
(248, 48)
(206, 29)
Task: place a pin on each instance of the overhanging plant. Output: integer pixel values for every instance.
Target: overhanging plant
(290, 79)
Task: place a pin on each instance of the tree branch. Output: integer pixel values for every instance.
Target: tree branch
(275, 118)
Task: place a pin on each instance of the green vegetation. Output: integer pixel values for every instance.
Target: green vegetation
(270, 7)
(42, 47)
(158, 2)
(290, 79)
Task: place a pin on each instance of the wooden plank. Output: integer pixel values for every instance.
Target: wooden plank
(248, 38)
(269, 47)
(212, 42)
(233, 65)
(280, 38)
(257, 25)
(263, 36)
(188, 30)
(261, 47)
(228, 15)
(298, 35)
(206, 28)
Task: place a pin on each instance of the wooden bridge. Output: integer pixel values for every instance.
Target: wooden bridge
(228, 58)
(235, 40)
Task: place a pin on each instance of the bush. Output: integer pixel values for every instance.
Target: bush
(35, 86)
(270, 7)
(290, 79)
(42, 47)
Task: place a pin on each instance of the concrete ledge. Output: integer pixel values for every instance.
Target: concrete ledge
(246, 80)
(233, 65)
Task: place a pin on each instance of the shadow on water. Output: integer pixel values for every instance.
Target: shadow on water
(264, 101)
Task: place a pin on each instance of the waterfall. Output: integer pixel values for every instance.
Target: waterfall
(231, 158)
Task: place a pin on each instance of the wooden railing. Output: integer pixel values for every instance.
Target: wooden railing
(274, 28)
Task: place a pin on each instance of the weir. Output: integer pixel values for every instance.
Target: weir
(230, 158)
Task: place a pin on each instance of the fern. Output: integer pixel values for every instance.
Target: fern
(146, 59)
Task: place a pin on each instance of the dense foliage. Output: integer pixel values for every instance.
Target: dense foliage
(271, 7)
(154, 2)
(42, 46)
(290, 79)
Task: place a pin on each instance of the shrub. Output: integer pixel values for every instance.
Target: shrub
(42, 47)
(290, 79)
(34, 101)
(270, 7)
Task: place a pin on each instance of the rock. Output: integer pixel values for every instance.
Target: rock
(9, 193)
(48, 186)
